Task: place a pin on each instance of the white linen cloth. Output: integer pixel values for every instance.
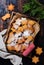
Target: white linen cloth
(14, 59)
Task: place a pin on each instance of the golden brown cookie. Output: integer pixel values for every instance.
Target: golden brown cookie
(20, 41)
(24, 22)
(23, 40)
(31, 28)
(30, 38)
(24, 27)
(23, 48)
(11, 7)
(17, 47)
(39, 51)
(11, 37)
(35, 59)
(6, 16)
(31, 22)
(20, 29)
(13, 30)
(10, 47)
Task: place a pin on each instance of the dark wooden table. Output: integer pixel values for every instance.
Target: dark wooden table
(39, 41)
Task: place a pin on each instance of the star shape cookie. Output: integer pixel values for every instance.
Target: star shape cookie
(35, 59)
(39, 51)
(11, 7)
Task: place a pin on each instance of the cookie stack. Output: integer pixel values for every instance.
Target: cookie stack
(21, 34)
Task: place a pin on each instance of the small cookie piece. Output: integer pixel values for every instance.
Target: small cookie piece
(11, 34)
(31, 22)
(20, 29)
(21, 40)
(17, 31)
(15, 26)
(24, 22)
(17, 35)
(24, 27)
(35, 59)
(30, 38)
(39, 51)
(11, 37)
(17, 47)
(11, 7)
(6, 16)
(31, 28)
(10, 47)
(9, 41)
(13, 30)
(23, 47)
(18, 22)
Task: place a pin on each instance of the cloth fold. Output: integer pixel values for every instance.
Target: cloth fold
(14, 59)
